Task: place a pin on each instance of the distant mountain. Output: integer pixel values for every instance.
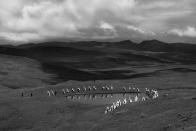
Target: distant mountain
(157, 46)
(53, 51)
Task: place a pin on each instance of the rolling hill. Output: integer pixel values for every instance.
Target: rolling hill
(93, 60)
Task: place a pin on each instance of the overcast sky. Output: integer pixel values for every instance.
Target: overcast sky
(26, 21)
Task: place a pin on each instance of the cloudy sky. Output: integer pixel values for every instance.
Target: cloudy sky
(23, 21)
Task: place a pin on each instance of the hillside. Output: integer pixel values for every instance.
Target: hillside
(102, 60)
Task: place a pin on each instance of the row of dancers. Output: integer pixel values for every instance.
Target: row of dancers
(120, 102)
(91, 88)
(150, 94)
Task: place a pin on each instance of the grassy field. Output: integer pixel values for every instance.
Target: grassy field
(56, 68)
(172, 112)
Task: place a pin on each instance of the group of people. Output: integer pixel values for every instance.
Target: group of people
(51, 93)
(131, 89)
(120, 102)
(150, 94)
(89, 96)
(79, 90)
(91, 89)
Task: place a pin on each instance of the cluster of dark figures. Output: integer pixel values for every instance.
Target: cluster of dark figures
(88, 96)
(23, 95)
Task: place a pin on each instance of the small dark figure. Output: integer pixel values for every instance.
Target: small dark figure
(31, 94)
(22, 94)
(194, 98)
(55, 93)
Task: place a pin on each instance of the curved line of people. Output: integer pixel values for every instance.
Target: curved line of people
(150, 94)
(119, 103)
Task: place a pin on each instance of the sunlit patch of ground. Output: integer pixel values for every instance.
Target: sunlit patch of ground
(18, 72)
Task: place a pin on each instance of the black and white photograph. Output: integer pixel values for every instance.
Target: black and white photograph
(97, 65)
